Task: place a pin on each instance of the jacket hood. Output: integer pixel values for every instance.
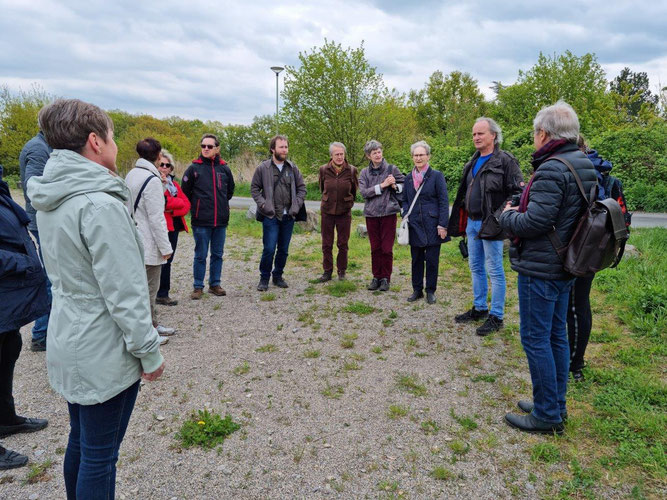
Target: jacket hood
(601, 165)
(68, 174)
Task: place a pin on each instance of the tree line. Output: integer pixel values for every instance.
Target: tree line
(335, 94)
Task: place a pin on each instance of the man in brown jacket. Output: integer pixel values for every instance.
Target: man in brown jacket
(338, 183)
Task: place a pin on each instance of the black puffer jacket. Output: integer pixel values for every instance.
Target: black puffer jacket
(209, 185)
(554, 201)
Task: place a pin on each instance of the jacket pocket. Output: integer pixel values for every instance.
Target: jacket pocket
(494, 181)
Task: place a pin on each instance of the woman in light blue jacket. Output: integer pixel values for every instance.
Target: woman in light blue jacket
(101, 338)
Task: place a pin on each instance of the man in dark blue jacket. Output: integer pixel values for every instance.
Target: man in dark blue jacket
(550, 203)
(32, 159)
(23, 297)
(209, 185)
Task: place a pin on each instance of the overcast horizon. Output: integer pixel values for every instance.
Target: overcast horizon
(212, 61)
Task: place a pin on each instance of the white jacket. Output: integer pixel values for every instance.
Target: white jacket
(149, 215)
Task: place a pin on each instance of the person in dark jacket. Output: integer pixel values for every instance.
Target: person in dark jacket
(209, 185)
(427, 220)
(32, 159)
(24, 298)
(490, 179)
(279, 191)
(338, 182)
(550, 202)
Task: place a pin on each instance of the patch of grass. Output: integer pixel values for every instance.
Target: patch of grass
(468, 423)
(341, 288)
(442, 474)
(388, 485)
(484, 378)
(348, 340)
(546, 453)
(206, 430)
(267, 348)
(583, 482)
(397, 411)
(458, 447)
(242, 369)
(333, 391)
(429, 427)
(351, 365)
(267, 297)
(315, 353)
(376, 349)
(38, 472)
(410, 383)
(359, 308)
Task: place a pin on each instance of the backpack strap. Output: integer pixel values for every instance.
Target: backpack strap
(143, 186)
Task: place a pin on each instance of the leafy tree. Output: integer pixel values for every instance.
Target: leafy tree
(18, 123)
(632, 97)
(448, 106)
(336, 95)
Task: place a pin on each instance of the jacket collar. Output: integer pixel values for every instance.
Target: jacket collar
(216, 161)
(330, 165)
(146, 165)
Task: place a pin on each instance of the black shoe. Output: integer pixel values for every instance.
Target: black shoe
(384, 285)
(28, 425)
(527, 406)
(375, 284)
(430, 297)
(341, 276)
(263, 285)
(11, 460)
(528, 423)
(38, 346)
(326, 276)
(280, 282)
(578, 376)
(492, 324)
(416, 295)
(471, 315)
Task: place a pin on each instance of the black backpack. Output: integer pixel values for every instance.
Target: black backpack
(599, 238)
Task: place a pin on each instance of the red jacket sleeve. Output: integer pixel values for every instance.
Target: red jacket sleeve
(179, 205)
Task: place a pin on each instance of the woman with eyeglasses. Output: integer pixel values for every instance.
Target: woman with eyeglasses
(176, 207)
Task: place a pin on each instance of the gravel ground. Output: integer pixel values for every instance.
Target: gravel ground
(311, 427)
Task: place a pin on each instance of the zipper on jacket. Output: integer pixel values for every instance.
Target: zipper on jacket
(197, 213)
(215, 196)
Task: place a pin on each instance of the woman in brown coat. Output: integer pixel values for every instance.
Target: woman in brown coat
(338, 182)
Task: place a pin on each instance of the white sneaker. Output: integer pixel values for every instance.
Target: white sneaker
(164, 330)
(163, 340)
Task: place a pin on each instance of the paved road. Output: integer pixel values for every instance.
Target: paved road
(639, 219)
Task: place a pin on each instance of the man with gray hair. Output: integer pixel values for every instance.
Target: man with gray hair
(549, 208)
(490, 178)
(338, 182)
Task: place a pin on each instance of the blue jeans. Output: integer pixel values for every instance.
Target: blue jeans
(543, 316)
(96, 432)
(486, 256)
(205, 236)
(276, 236)
(41, 323)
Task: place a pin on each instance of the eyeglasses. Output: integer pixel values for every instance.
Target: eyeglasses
(208, 146)
(165, 165)
(418, 156)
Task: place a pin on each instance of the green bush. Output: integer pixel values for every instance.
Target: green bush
(649, 197)
(206, 429)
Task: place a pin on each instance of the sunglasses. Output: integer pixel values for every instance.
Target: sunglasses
(165, 165)
(208, 146)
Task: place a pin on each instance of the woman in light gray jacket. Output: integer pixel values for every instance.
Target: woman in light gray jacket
(101, 339)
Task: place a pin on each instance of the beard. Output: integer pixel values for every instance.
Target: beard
(279, 157)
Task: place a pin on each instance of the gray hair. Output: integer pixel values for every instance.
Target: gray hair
(67, 123)
(558, 121)
(494, 128)
(168, 156)
(337, 145)
(371, 146)
(420, 144)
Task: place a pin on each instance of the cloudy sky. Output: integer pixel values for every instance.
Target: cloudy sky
(211, 60)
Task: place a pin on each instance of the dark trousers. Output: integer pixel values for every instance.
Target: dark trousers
(382, 233)
(10, 348)
(96, 432)
(165, 273)
(276, 237)
(431, 257)
(579, 321)
(341, 223)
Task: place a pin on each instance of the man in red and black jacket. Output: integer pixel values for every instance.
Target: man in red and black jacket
(209, 185)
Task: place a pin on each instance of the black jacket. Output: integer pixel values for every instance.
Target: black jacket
(430, 211)
(554, 201)
(22, 278)
(209, 185)
(500, 178)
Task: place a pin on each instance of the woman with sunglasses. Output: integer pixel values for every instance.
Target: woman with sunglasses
(176, 207)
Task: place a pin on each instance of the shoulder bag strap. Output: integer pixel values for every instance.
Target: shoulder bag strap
(414, 200)
(143, 186)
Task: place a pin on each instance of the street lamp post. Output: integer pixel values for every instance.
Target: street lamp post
(277, 70)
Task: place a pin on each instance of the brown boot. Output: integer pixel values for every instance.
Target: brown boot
(197, 293)
(217, 290)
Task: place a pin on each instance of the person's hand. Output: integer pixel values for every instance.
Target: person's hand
(389, 181)
(163, 175)
(167, 257)
(509, 207)
(442, 232)
(152, 376)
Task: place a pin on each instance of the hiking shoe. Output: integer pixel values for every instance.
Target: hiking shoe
(578, 376)
(430, 298)
(197, 293)
(39, 346)
(341, 276)
(280, 282)
(263, 285)
(527, 406)
(165, 331)
(384, 285)
(492, 324)
(217, 290)
(528, 423)
(374, 285)
(416, 295)
(28, 425)
(471, 315)
(326, 276)
(166, 301)
(163, 340)
(10, 459)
